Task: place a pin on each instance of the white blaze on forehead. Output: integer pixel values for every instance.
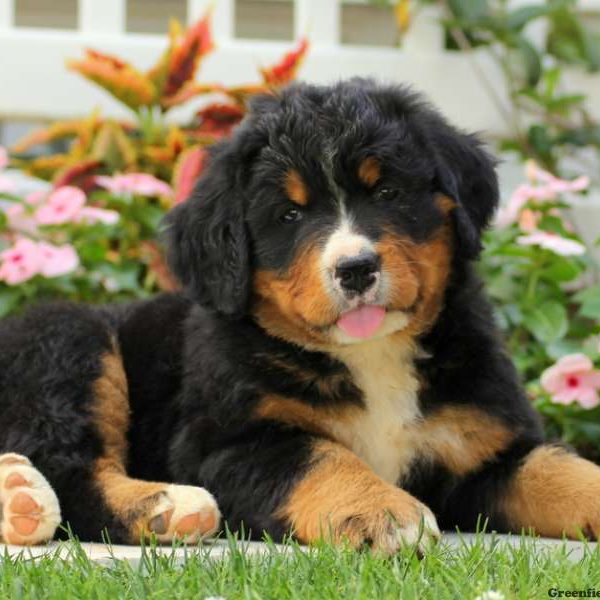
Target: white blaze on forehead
(344, 241)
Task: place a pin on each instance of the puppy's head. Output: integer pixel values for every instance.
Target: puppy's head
(334, 214)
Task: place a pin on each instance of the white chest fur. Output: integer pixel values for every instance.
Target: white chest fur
(383, 434)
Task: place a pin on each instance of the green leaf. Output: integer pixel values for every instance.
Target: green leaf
(9, 300)
(590, 302)
(591, 48)
(531, 60)
(470, 10)
(517, 19)
(561, 270)
(540, 139)
(119, 278)
(547, 322)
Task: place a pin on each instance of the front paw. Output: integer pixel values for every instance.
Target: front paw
(390, 523)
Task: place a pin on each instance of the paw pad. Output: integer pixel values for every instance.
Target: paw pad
(30, 510)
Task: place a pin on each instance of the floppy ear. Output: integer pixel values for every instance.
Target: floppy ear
(207, 241)
(466, 173)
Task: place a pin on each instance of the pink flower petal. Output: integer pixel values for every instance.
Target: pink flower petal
(57, 260)
(63, 206)
(553, 242)
(91, 214)
(20, 263)
(141, 184)
(588, 398)
(566, 396)
(591, 380)
(575, 363)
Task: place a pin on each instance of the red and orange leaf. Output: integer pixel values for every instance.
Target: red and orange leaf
(118, 78)
(160, 71)
(113, 148)
(79, 174)
(196, 43)
(190, 90)
(285, 70)
(219, 119)
(175, 143)
(109, 59)
(188, 168)
(45, 167)
(57, 131)
(241, 93)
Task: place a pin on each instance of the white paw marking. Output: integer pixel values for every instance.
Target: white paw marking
(191, 513)
(421, 534)
(30, 509)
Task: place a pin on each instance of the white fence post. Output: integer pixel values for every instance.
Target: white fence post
(7, 14)
(426, 33)
(317, 19)
(223, 16)
(102, 16)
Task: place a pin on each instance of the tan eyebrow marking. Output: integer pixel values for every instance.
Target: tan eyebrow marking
(369, 171)
(296, 188)
(445, 204)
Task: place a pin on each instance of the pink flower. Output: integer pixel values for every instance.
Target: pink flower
(549, 190)
(20, 220)
(508, 214)
(555, 184)
(63, 206)
(141, 184)
(20, 263)
(57, 260)
(573, 379)
(3, 157)
(552, 241)
(91, 214)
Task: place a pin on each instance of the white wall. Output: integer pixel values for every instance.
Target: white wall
(35, 83)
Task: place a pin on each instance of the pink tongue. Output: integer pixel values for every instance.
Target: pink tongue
(362, 322)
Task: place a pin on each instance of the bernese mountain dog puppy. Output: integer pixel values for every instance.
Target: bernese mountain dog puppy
(332, 368)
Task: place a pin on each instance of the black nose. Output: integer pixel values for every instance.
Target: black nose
(357, 273)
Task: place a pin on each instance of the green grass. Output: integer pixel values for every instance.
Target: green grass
(321, 573)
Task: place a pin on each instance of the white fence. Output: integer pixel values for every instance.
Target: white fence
(35, 83)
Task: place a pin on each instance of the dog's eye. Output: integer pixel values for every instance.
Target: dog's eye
(387, 194)
(291, 216)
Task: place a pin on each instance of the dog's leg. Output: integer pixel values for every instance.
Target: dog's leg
(143, 507)
(285, 480)
(340, 498)
(553, 493)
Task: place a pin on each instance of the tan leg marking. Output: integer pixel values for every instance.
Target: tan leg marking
(300, 414)
(555, 493)
(145, 507)
(463, 438)
(29, 512)
(341, 499)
